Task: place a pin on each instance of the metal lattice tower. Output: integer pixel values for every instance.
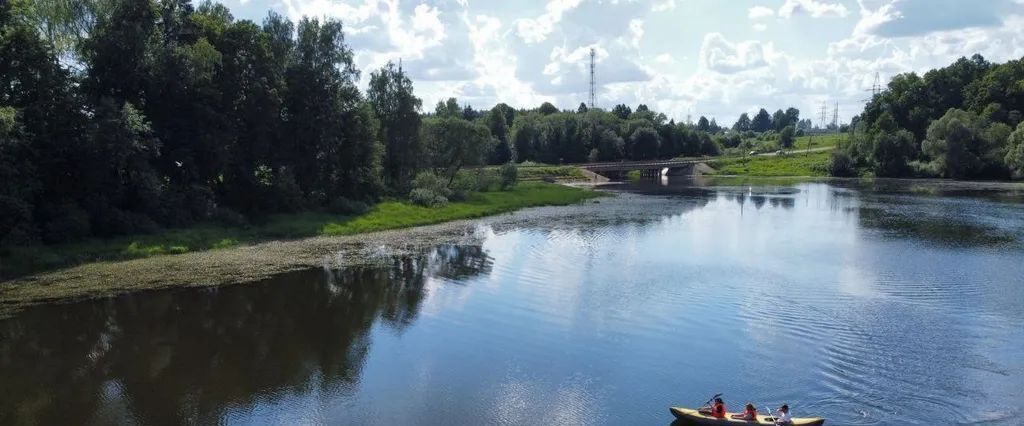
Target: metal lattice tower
(835, 117)
(822, 115)
(593, 84)
(876, 87)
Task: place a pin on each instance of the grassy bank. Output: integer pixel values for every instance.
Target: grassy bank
(532, 172)
(795, 164)
(383, 216)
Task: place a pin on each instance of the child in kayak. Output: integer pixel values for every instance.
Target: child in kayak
(749, 413)
(783, 417)
(716, 410)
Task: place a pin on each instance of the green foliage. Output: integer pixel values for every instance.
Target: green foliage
(391, 93)
(800, 164)
(761, 122)
(786, 136)
(958, 118)
(960, 144)
(1015, 151)
(452, 143)
(840, 164)
(429, 190)
(644, 143)
(509, 176)
(892, 153)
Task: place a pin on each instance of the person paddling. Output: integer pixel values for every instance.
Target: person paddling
(717, 410)
(749, 413)
(783, 417)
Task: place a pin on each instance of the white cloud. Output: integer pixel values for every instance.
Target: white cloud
(901, 18)
(758, 12)
(663, 5)
(814, 8)
(486, 52)
(721, 55)
(535, 30)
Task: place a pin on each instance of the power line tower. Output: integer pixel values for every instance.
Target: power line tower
(593, 84)
(835, 117)
(876, 87)
(823, 115)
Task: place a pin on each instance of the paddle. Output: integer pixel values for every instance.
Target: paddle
(771, 415)
(711, 399)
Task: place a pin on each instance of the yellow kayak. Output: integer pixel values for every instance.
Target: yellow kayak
(692, 416)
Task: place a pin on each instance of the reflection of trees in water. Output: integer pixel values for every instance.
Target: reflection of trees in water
(187, 356)
(942, 230)
(759, 200)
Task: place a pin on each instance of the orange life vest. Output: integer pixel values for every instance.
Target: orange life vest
(718, 410)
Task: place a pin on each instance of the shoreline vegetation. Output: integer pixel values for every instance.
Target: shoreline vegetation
(387, 215)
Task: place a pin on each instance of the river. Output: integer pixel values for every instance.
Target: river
(886, 302)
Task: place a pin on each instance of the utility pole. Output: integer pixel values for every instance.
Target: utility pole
(593, 83)
(835, 117)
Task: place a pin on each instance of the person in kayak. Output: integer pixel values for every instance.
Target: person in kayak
(749, 413)
(716, 410)
(783, 417)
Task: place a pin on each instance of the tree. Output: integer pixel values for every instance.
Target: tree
(448, 108)
(786, 137)
(547, 108)
(644, 143)
(953, 143)
(582, 109)
(452, 143)
(792, 116)
(762, 121)
(391, 93)
(333, 137)
(622, 111)
(713, 127)
(742, 124)
(609, 146)
(703, 125)
(1015, 151)
(502, 152)
(892, 153)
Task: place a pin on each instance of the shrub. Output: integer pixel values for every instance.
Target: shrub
(841, 165)
(429, 190)
(509, 176)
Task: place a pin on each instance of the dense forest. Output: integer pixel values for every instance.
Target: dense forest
(121, 117)
(963, 121)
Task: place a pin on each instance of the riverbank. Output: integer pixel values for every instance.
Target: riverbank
(383, 216)
(795, 163)
(256, 262)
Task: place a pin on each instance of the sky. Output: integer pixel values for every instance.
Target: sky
(686, 58)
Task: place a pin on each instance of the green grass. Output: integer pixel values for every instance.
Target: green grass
(795, 164)
(817, 141)
(207, 236)
(537, 172)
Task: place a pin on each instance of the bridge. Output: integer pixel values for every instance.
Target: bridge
(653, 168)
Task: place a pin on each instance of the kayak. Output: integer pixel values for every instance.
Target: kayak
(692, 416)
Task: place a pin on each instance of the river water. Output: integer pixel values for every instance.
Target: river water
(891, 302)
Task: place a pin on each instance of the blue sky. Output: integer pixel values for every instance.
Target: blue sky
(700, 57)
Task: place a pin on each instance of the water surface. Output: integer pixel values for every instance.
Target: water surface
(867, 303)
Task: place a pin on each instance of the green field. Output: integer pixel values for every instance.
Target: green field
(540, 171)
(383, 216)
(817, 141)
(794, 164)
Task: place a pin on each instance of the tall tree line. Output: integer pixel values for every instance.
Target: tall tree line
(962, 121)
(122, 116)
